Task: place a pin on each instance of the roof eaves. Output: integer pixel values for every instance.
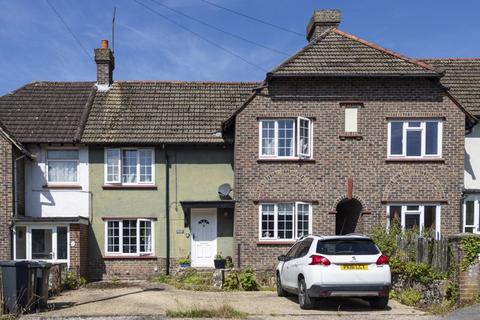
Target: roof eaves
(7, 135)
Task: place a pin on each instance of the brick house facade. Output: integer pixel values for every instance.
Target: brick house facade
(322, 181)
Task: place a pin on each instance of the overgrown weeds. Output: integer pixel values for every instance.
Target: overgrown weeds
(224, 311)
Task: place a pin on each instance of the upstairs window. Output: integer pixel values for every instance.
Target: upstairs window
(286, 138)
(415, 139)
(129, 166)
(62, 166)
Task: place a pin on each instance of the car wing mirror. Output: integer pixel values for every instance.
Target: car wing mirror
(282, 257)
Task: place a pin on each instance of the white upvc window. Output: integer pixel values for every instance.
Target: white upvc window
(415, 139)
(284, 221)
(285, 138)
(42, 242)
(422, 217)
(62, 166)
(132, 237)
(129, 166)
(471, 214)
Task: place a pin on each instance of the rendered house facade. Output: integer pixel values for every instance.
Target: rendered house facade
(341, 137)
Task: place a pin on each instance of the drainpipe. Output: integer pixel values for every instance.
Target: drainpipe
(167, 208)
(15, 202)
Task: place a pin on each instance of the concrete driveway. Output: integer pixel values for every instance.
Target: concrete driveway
(148, 299)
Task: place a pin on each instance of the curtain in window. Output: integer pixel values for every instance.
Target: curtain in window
(62, 171)
(268, 138)
(145, 236)
(113, 165)
(145, 165)
(285, 138)
(129, 166)
(268, 221)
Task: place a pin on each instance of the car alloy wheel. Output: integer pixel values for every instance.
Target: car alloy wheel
(303, 299)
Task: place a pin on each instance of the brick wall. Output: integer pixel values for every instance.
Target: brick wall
(129, 268)
(79, 252)
(6, 197)
(336, 159)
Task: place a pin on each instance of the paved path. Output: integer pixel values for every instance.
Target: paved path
(152, 301)
(467, 313)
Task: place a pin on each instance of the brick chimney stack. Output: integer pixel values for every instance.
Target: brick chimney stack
(320, 21)
(105, 65)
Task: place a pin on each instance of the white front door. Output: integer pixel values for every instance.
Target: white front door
(203, 225)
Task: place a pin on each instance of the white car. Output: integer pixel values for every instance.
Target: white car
(334, 266)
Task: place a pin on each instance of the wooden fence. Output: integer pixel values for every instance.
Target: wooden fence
(433, 252)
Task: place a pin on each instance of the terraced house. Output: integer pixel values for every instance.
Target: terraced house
(126, 177)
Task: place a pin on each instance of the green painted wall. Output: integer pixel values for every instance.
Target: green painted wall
(195, 174)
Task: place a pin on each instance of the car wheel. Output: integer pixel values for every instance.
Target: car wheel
(304, 300)
(379, 302)
(280, 291)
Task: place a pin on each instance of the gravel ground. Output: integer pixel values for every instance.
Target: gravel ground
(150, 301)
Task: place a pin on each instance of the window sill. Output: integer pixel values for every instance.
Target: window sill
(129, 258)
(351, 136)
(415, 160)
(280, 160)
(275, 242)
(128, 187)
(62, 186)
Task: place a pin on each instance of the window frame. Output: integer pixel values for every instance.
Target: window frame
(296, 138)
(275, 237)
(54, 239)
(120, 167)
(420, 212)
(120, 241)
(47, 161)
(476, 214)
(423, 130)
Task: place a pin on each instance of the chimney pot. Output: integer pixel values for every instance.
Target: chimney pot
(320, 21)
(104, 44)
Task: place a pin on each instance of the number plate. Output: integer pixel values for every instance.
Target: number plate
(354, 267)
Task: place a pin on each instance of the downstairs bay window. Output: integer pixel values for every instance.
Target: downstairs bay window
(423, 218)
(284, 221)
(285, 138)
(132, 237)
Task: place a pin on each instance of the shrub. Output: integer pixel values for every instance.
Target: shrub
(228, 262)
(452, 292)
(231, 281)
(410, 297)
(470, 246)
(420, 272)
(183, 261)
(73, 282)
(248, 280)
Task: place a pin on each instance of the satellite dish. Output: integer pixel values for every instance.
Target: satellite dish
(224, 190)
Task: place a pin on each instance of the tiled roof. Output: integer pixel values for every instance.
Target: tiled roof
(336, 53)
(462, 76)
(157, 111)
(7, 135)
(43, 112)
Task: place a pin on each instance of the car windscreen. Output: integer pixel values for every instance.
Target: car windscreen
(347, 247)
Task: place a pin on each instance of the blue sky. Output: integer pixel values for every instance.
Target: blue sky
(34, 45)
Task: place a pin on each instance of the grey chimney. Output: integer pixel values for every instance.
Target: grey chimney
(105, 65)
(322, 20)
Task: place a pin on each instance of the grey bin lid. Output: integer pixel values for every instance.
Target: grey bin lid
(24, 264)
